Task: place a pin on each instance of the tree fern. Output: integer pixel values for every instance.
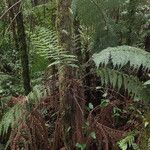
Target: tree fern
(45, 43)
(121, 55)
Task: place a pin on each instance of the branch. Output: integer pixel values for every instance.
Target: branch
(9, 9)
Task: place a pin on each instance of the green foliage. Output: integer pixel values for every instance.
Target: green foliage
(145, 132)
(128, 142)
(118, 80)
(81, 146)
(97, 10)
(119, 57)
(90, 106)
(122, 55)
(109, 21)
(9, 85)
(10, 68)
(37, 94)
(41, 15)
(96, 15)
(93, 135)
(18, 114)
(11, 118)
(104, 103)
(46, 45)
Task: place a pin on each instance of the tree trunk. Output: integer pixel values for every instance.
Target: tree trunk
(23, 48)
(67, 101)
(13, 23)
(147, 40)
(131, 20)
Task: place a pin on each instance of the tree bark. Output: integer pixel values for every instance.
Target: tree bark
(13, 23)
(131, 20)
(147, 40)
(67, 103)
(23, 48)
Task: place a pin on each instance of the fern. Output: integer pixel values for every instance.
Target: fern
(16, 119)
(11, 118)
(119, 80)
(18, 112)
(45, 43)
(121, 55)
(128, 142)
(37, 94)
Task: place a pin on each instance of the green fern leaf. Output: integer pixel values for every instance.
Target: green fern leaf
(45, 44)
(118, 80)
(11, 118)
(121, 55)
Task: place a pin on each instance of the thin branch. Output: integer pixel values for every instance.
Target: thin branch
(9, 9)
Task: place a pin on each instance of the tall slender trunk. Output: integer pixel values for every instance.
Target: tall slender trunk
(131, 20)
(147, 40)
(13, 23)
(23, 48)
(67, 101)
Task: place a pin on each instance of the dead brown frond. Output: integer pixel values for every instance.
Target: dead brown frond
(102, 122)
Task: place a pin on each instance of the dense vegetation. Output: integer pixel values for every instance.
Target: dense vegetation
(75, 75)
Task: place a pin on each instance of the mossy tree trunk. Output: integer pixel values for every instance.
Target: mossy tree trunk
(64, 26)
(22, 47)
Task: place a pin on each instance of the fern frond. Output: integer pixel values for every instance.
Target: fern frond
(19, 111)
(45, 43)
(36, 95)
(121, 55)
(118, 80)
(11, 118)
(128, 142)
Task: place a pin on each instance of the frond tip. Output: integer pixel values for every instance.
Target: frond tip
(121, 55)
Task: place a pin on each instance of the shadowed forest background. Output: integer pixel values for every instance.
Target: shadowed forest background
(74, 75)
